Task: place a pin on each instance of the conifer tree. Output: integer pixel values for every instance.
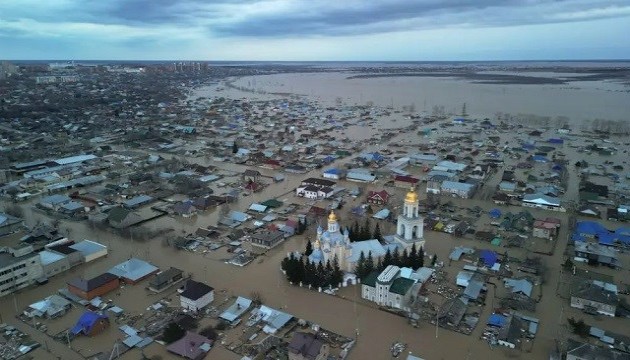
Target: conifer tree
(377, 232)
(387, 259)
(360, 267)
(309, 248)
(320, 275)
(355, 232)
(420, 261)
(433, 260)
(404, 259)
(413, 257)
(369, 264)
(379, 265)
(337, 277)
(396, 258)
(328, 274)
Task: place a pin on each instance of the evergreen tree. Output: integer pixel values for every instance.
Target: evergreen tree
(387, 259)
(234, 147)
(300, 270)
(396, 258)
(377, 232)
(309, 248)
(310, 276)
(379, 265)
(413, 257)
(320, 275)
(404, 259)
(355, 232)
(433, 260)
(420, 261)
(328, 274)
(369, 264)
(284, 265)
(366, 230)
(360, 267)
(337, 277)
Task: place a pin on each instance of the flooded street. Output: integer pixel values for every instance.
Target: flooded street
(346, 313)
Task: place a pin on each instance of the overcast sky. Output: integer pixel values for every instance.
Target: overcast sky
(315, 29)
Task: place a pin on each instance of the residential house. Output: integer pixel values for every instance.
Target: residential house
(378, 197)
(90, 250)
(133, 271)
(359, 175)
(457, 189)
(64, 247)
(594, 296)
(195, 295)
(91, 288)
(9, 224)
(121, 218)
(137, 201)
(507, 186)
(318, 182)
(236, 310)
(309, 191)
(595, 254)
(585, 351)
(434, 183)
(450, 166)
(165, 279)
(184, 208)
(191, 346)
(54, 202)
(542, 201)
(307, 346)
(267, 239)
(90, 324)
(334, 174)
(423, 159)
(546, 228)
(406, 182)
(51, 307)
(53, 263)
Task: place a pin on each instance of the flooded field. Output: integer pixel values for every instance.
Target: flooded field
(578, 100)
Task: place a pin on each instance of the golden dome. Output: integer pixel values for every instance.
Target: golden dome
(411, 197)
(332, 216)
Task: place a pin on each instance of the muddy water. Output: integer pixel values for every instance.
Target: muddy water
(347, 315)
(576, 100)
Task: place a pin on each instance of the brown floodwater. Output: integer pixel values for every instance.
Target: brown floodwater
(346, 314)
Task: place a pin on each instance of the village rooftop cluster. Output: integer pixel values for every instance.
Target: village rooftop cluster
(450, 221)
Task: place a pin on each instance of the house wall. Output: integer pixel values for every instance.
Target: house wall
(604, 309)
(57, 267)
(99, 291)
(196, 305)
(368, 292)
(99, 327)
(96, 255)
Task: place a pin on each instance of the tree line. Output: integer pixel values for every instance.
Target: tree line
(299, 270)
(412, 259)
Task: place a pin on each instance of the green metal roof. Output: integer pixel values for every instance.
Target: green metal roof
(401, 286)
(272, 203)
(370, 280)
